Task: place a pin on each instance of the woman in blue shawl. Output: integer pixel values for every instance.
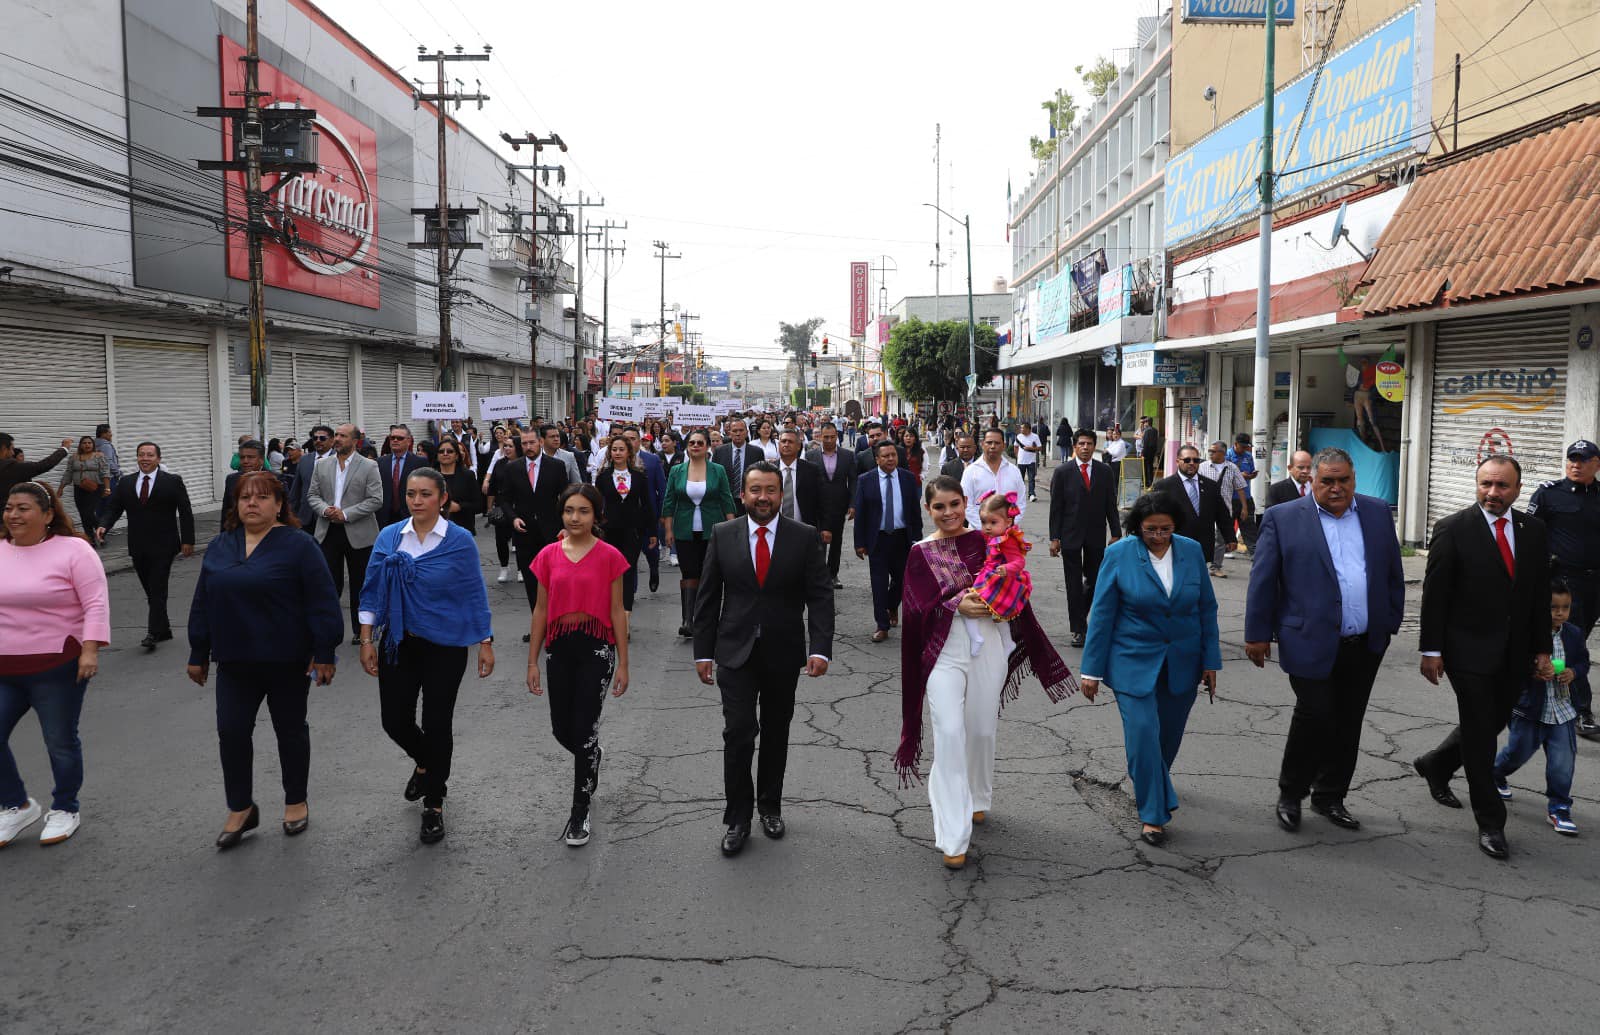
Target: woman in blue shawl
(424, 595)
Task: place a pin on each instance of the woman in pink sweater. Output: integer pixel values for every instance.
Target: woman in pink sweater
(54, 606)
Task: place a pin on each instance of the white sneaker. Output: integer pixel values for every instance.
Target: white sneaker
(672, 559)
(519, 574)
(505, 574)
(14, 821)
(58, 826)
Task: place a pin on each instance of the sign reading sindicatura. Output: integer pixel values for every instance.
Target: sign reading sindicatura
(1372, 103)
(1237, 11)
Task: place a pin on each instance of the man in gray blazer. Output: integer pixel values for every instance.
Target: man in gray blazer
(345, 494)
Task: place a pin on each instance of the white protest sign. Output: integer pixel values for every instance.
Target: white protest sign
(439, 406)
(621, 409)
(654, 407)
(695, 416)
(496, 407)
(729, 405)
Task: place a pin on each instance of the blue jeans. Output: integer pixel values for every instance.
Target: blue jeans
(56, 696)
(1560, 743)
(1030, 472)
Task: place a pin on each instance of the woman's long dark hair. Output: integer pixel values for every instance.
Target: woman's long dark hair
(44, 497)
(590, 493)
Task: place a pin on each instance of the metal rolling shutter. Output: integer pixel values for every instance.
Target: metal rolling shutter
(281, 422)
(484, 386)
(164, 396)
(416, 378)
(380, 391)
(1499, 384)
(321, 390)
(54, 387)
(541, 399)
(243, 415)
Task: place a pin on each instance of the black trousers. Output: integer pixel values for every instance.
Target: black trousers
(1149, 469)
(342, 557)
(241, 687)
(155, 571)
(579, 668)
(835, 548)
(757, 701)
(88, 504)
(502, 544)
(434, 672)
(1319, 757)
(1484, 702)
(527, 550)
(886, 563)
(1081, 564)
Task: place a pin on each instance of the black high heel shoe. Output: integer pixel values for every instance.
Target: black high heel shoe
(231, 838)
(295, 827)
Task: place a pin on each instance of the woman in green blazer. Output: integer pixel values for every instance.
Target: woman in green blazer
(698, 496)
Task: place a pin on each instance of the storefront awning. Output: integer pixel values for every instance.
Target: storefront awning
(1522, 217)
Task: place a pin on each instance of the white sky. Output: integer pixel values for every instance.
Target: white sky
(769, 149)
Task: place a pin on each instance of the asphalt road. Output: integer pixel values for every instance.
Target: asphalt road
(1062, 920)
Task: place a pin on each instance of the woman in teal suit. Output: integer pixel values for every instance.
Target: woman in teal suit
(698, 496)
(1153, 640)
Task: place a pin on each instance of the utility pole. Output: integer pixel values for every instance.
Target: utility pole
(605, 299)
(538, 144)
(577, 324)
(938, 199)
(661, 357)
(1263, 388)
(449, 222)
(293, 151)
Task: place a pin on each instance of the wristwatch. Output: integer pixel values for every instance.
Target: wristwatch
(487, 639)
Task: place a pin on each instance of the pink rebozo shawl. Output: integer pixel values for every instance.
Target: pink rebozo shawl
(938, 574)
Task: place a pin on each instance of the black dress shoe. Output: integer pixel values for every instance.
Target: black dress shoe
(296, 827)
(413, 791)
(655, 581)
(432, 826)
(164, 637)
(1077, 640)
(1493, 844)
(733, 841)
(1153, 837)
(526, 637)
(1288, 814)
(148, 643)
(1439, 790)
(1338, 815)
(837, 584)
(772, 825)
(230, 838)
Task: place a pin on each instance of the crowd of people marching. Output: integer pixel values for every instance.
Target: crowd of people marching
(752, 511)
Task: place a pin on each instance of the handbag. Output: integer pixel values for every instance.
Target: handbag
(88, 485)
(497, 516)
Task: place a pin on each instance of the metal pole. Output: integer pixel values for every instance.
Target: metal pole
(533, 301)
(661, 354)
(577, 323)
(254, 218)
(1263, 382)
(444, 245)
(605, 317)
(972, 324)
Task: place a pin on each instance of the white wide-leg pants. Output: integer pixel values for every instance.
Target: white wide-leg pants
(964, 710)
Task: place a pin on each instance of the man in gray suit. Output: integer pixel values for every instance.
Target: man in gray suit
(345, 494)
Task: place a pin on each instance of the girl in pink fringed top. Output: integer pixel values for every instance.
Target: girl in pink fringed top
(1003, 584)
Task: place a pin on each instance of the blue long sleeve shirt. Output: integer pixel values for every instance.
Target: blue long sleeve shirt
(277, 605)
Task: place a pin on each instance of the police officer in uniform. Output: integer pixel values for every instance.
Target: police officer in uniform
(1570, 508)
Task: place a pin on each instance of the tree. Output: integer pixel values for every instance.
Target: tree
(1063, 113)
(819, 397)
(795, 338)
(929, 360)
(1101, 74)
(681, 391)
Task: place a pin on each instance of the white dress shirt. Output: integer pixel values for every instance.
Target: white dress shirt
(341, 471)
(1163, 568)
(979, 479)
(1116, 449)
(415, 547)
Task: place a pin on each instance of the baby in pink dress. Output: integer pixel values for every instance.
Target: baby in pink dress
(1003, 583)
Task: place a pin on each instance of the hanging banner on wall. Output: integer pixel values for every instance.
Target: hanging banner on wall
(1237, 12)
(858, 299)
(613, 409)
(437, 405)
(502, 407)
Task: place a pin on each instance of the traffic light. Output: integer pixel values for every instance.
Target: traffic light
(813, 361)
(824, 344)
(677, 330)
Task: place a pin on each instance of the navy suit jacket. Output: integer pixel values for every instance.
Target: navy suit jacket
(1294, 593)
(395, 509)
(1136, 627)
(869, 507)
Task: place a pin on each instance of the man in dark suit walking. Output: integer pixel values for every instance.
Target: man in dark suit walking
(966, 452)
(1327, 584)
(1083, 510)
(888, 521)
(160, 527)
(1295, 486)
(396, 468)
(319, 445)
(736, 455)
(532, 486)
(1201, 501)
(655, 475)
(1486, 625)
(761, 571)
(836, 490)
(1149, 448)
(802, 483)
(252, 458)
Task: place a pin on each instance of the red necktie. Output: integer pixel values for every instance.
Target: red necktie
(1505, 548)
(399, 464)
(144, 489)
(1302, 488)
(763, 555)
(1084, 469)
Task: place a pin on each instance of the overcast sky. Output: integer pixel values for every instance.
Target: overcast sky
(770, 148)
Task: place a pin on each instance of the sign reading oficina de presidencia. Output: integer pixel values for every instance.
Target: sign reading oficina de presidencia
(1390, 381)
(439, 406)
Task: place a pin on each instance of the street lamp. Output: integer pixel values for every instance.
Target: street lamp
(972, 323)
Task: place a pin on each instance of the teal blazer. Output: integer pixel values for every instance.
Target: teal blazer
(1134, 626)
(677, 508)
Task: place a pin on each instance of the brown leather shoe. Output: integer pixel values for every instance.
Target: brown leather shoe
(894, 616)
(955, 862)
(979, 817)
(879, 635)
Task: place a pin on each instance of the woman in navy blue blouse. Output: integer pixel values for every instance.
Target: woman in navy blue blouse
(261, 576)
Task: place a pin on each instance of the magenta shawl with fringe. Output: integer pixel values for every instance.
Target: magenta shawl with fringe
(938, 574)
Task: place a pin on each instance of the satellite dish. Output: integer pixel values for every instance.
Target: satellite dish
(1338, 225)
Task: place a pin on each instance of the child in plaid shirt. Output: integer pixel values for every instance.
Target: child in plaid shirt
(1544, 716)
(1003, 583)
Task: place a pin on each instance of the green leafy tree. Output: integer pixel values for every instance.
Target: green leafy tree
(1099, 76)
(795, 338)
(929, 360)
(819, 397)
(1063, 113)
(699, 399)
(680, 391)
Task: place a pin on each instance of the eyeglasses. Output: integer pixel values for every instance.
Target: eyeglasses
(1158, 533)
(319, 438)
(1188, 459)
(397, 438)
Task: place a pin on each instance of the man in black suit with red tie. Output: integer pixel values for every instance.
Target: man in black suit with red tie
(750, 638)
(160, 527)
(396, 467)
(1485, 625)
(532, 486)
(1083, 509)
